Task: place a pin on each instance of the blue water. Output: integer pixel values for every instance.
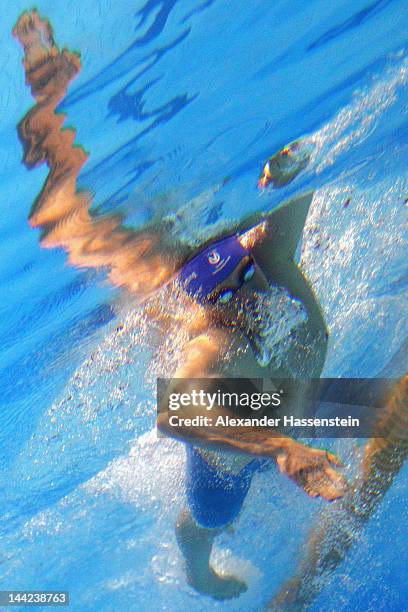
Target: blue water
(174, 97)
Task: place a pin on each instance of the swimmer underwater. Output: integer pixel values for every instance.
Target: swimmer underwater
(227, 316)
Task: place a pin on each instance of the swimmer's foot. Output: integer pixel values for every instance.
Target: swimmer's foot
(216, 586)
(195, 543)
(312, 469)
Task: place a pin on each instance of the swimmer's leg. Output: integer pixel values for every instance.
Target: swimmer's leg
(215, 499)
(196, 543)
(285, 228)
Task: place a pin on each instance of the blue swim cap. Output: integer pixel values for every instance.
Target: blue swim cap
(201, 275)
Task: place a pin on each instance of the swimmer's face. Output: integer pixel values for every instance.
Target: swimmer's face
(240, 286)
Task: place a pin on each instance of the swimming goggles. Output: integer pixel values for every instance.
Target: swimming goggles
(224, 295)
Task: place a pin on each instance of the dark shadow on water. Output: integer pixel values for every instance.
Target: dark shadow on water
(131, 105)
(352, 22)
(121, 195)
(158, 25)
(123, 154)
(128, 105)
(130, 57)
(197, 10)
(126, 62)
(296, 51)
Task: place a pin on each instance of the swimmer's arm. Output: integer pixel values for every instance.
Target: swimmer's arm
(283, 225)
(275, 253)
(272, 236)
(140, 261)
(200, 356)
(245, 440)
(334, 533)
(310, 468)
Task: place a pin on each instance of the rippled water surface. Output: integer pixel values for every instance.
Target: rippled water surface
(175, 98)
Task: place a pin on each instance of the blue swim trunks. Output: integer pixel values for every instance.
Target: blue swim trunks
(215, 497)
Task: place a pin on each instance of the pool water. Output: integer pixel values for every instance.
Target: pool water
(174, 99)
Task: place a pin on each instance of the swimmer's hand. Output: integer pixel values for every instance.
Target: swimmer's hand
(312, 469)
